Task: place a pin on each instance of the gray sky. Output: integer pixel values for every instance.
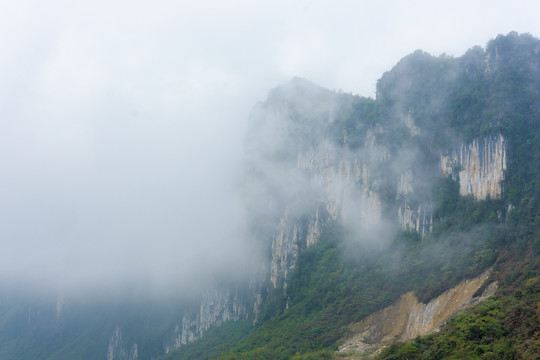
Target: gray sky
(122, 122)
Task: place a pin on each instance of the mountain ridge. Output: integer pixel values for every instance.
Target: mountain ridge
(355, 201)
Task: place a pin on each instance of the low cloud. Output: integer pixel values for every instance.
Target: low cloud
(122, 124)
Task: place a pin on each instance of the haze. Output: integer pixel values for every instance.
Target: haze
(122, 123)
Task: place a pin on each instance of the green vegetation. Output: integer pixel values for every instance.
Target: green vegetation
(337, 282)
(215, 341)
(506, 326)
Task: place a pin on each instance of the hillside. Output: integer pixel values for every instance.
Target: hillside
(366, 210)
(363, 200)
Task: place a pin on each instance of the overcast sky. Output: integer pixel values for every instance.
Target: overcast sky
(121, 122)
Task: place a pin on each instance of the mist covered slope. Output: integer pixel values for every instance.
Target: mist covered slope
(362, 200)
(352, 202)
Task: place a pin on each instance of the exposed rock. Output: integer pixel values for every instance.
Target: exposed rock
(415, 216)
(409, 318)
(346, 190)
(315, 160)
(118, 350)
(375, 150)
(405, 183)
(284, 252)
(480, 167)
(347, 182)
(216, 307)
(409, 122)
(257, 307)
(314, 229)
(412, 215)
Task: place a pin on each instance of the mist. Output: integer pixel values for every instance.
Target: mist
(122, 124)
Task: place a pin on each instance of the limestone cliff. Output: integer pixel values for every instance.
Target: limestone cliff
(345, 190)
(342, 187)
(411, 126)
(345, 181)
(301, 178)
(412, 215)
(479, 166)
(314, 156)
(216, 307)
(118, 349)
(416, 217)
(409, 318)
(303, 181)
(284, 251)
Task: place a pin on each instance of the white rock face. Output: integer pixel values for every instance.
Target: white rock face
(412, 215)
(405, 183)
(284, 252)
(417, 217)
(117, 348)
(376, 151)
(216, 307)
(346, 191)
(480, 167)
(314, 229)
(409, 122)
(347, 184)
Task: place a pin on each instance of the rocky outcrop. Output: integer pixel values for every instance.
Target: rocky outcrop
(412, 215)
(405, 183)
(345, 189)
(314, 229)
(411, 126)
(409, 318)
(216, 307)
(284, 252)
(346, 182)
(480, 167)
(118, 350)
(416, 217)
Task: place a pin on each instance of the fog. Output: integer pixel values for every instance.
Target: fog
(122, 124)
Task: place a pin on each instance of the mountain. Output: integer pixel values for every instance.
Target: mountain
(419, 191)
(418, 207)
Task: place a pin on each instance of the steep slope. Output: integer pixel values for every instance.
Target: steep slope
(505, 326)
(480, 166)
(358, 202)
(440, 154)
(407, 318)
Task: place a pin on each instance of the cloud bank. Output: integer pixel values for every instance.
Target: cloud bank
(122, 123)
